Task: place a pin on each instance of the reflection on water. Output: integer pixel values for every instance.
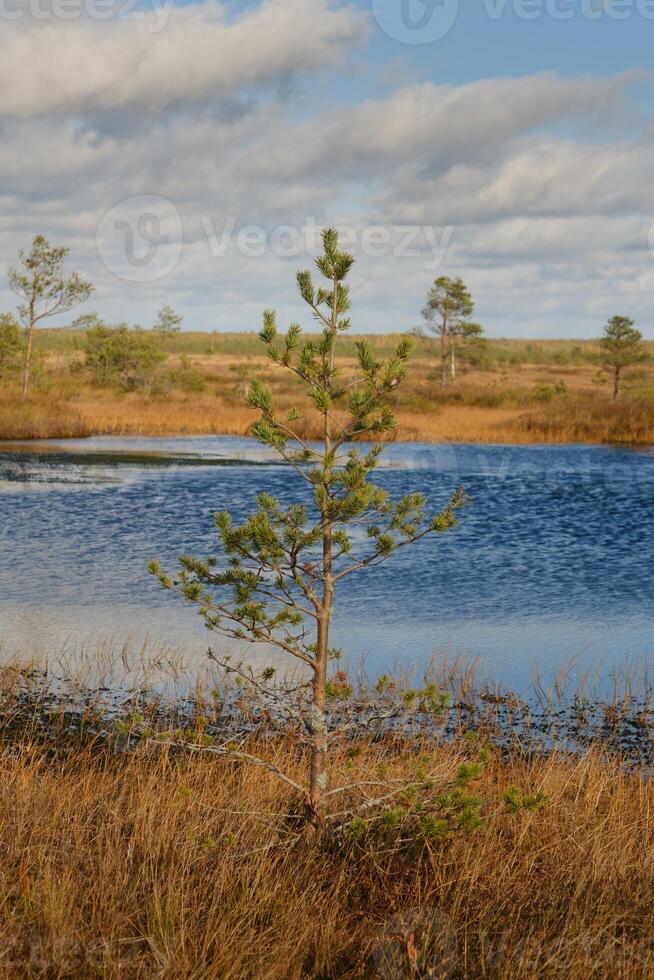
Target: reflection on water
(552, 559)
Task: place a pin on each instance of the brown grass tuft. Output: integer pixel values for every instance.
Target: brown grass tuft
(40, 419)
(154, 864)
(590, 418)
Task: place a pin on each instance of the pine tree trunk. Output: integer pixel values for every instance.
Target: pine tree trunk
(452, 360)
(616, 383)
(318, 770)
(28, 358)
(444, 352)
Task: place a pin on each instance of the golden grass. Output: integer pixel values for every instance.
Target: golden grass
(149, 864)
(463, 423)
(40, 419)
(587, 418)
(199, 414)
(527, 402)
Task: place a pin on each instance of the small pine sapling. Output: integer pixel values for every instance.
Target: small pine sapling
(284, 564)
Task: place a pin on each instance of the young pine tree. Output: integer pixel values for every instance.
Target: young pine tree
(464, 334)
(621, 347)
(168, 322)
(285, 564)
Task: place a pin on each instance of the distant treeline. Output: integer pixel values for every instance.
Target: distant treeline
(496, 351)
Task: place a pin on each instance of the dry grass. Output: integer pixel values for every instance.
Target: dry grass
(40, 419)
(524, 393)
(177, 414)
(579, 418)
(158, 864)
(588, 418)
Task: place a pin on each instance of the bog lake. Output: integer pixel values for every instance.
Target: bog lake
(551, 563)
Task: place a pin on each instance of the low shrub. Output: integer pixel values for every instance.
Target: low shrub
(11, 344)
(128, 358)
(186, 376)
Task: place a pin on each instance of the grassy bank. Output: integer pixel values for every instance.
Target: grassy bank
(517, 392)
(125, 856)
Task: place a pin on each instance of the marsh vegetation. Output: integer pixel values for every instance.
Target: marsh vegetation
(132, 849)
(517, 391)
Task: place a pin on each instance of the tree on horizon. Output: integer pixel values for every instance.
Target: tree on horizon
(621, 347)
(39, 280)
(168, 321)
(447, 313)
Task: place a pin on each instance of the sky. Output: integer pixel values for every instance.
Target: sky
(190, 154)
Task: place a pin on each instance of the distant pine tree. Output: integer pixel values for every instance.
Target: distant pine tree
(621, 347)
(168, 321)
(11, 343)
(447, 311)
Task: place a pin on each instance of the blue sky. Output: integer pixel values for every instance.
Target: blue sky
(188, 156)
(480, 47)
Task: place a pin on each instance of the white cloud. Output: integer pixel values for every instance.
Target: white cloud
(200, 56)
(436, 126)
(536, 178)
(548, 230)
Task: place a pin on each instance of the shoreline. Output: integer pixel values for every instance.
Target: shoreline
(24, 442)
(101, 695)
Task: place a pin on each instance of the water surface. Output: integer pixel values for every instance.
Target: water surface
(551, 561)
